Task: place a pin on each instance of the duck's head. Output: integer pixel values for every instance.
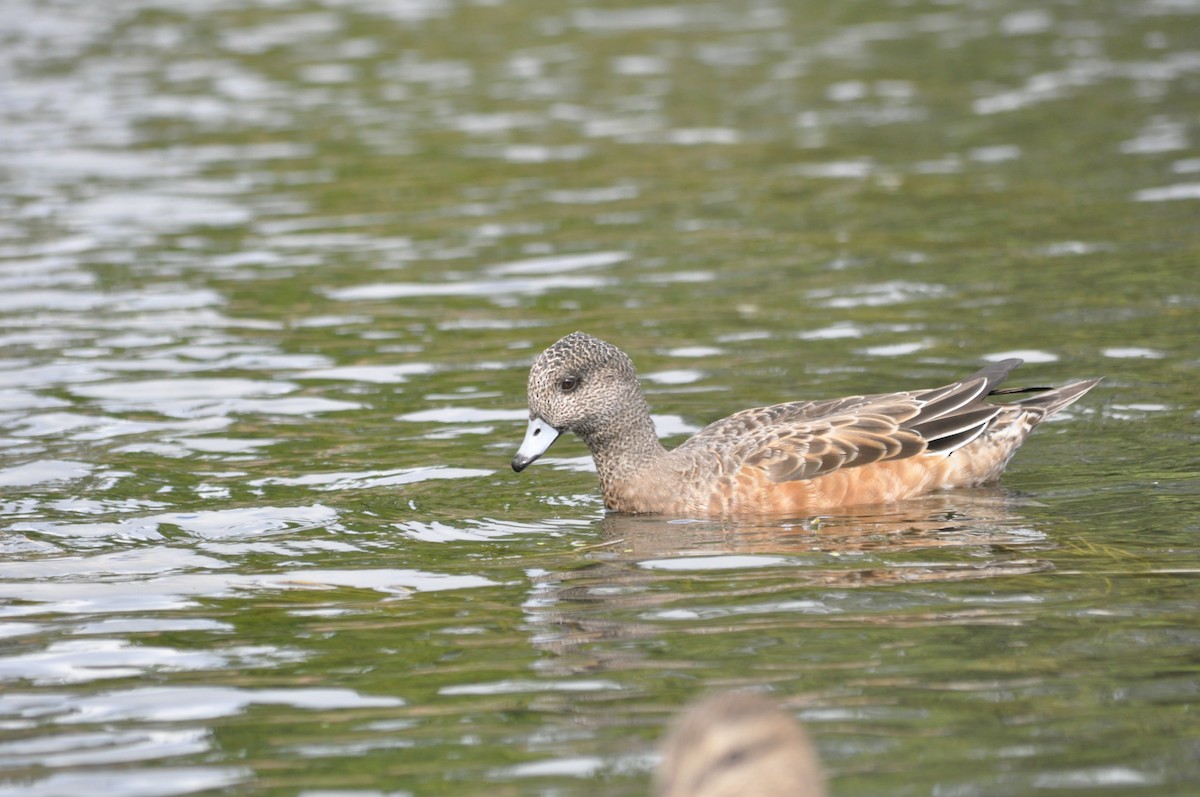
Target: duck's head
(736, 744)
(580, 384)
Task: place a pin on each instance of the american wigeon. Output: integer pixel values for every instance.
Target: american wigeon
(796, 458)
(737, 744)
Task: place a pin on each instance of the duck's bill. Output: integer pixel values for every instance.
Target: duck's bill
(538, 438)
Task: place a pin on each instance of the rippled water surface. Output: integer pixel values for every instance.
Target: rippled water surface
(272, 276)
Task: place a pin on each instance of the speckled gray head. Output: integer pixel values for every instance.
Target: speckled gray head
(579, 385)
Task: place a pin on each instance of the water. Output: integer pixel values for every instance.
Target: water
(272, 277)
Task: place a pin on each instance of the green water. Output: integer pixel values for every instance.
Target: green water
(273, 277)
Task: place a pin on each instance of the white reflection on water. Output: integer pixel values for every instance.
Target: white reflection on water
(376, 374)
(135, 561)
(1158, 135)
(895, 349)
(176, 703)
(485, 529)
(593, 196)
(1083, 72)
(476, 287)
(80, 427)
(157, 298)
(1168, 193)
(571, 766)
(363, 480)
(529, 153)
(694, 351)
(150, 625)
(89, 748)
(81, 660)
(16, 399)
(528, 277)
(842, 329)
(852, 170)
(521, 687)
(1028, 355)
(236, 523)
(715, 562)
(1098, 777)
(391, 582)
(47, 471)
(190, 398)
(354, 749)
(170, 592)
(11, 629)
(674, 376)
(692, 613)
(877, 294)
(225, 445)
(116, 215)
(557, 264)
(156, 782)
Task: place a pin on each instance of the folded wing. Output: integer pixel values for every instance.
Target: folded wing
(803, 440)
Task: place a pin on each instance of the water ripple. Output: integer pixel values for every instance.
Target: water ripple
(156, 782)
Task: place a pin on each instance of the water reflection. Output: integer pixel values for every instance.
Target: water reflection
(778, 574)
(159, 781)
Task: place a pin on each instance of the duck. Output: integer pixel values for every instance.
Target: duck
(798, 458)
(734, 744)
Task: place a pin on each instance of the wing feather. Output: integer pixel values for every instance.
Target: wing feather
(804, 440)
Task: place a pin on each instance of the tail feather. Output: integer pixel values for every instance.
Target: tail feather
(992, 450)
(997, 372)
(1051, 401)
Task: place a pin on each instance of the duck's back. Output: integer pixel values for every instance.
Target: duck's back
(801, 457)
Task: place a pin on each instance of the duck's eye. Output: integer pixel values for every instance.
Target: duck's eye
(568, 383)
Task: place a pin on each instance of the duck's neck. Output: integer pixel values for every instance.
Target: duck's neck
(631, 463)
